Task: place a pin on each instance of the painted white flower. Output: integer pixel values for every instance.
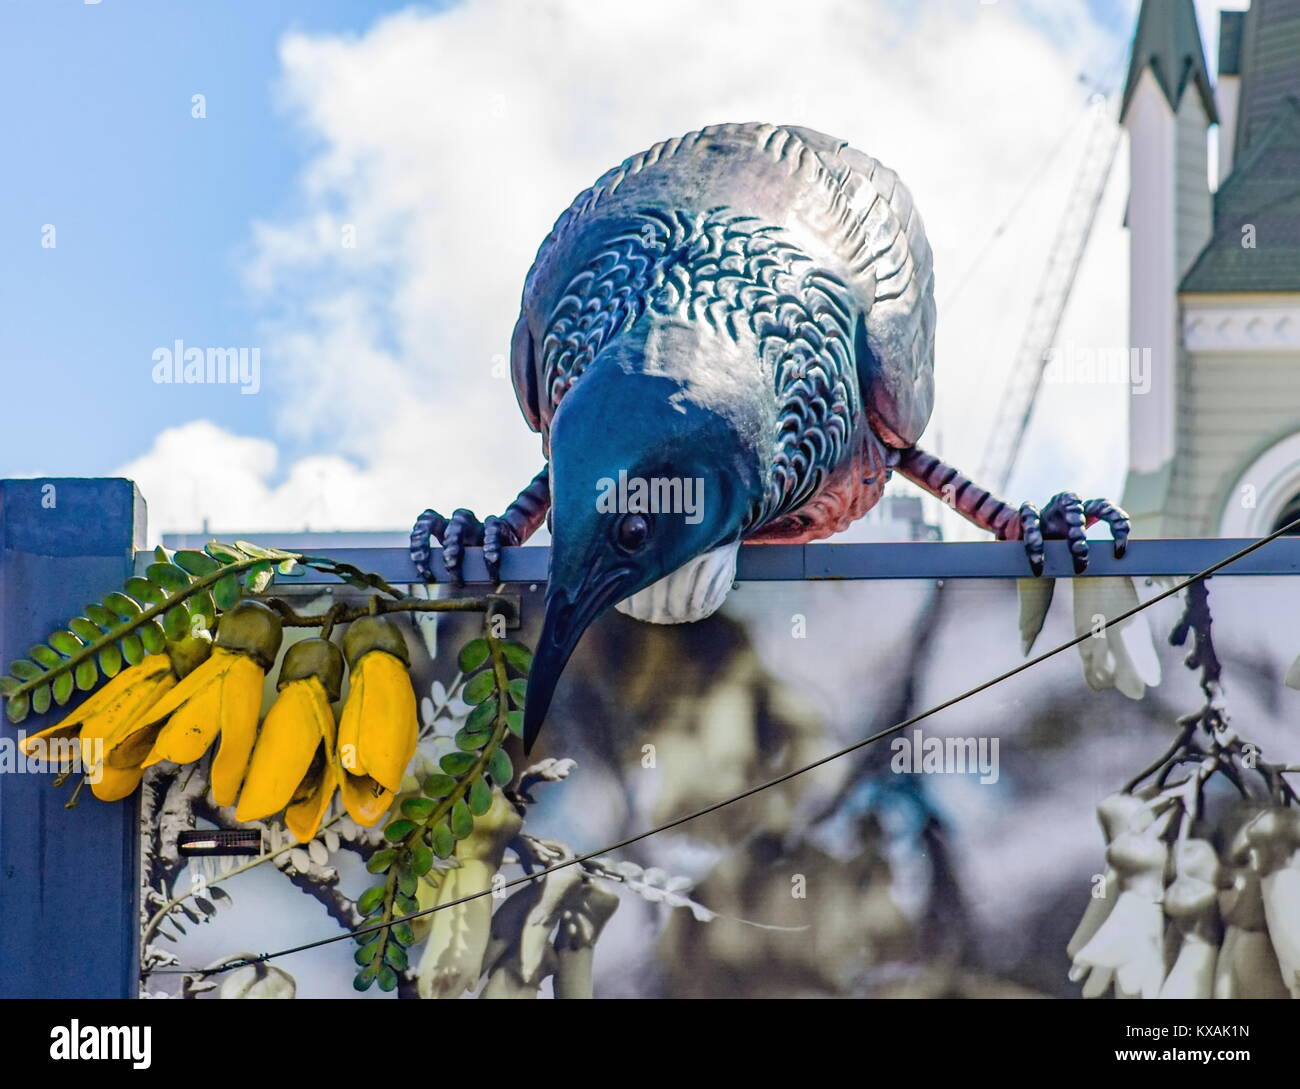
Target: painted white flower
(1274, 836)
(1247, 966)
(575, 940)
(1281, 892)
(508, 977)
(1128, 948)
(258, 981)
(1123, 656)
(1116, 814)
(520, 955)
(458, 936)
(1192, 902)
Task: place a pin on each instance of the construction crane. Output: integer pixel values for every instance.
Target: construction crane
(1016, 405)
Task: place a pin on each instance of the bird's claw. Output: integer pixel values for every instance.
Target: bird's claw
(429, 527)
(463, 530)
(1067, 517)
(497, 534)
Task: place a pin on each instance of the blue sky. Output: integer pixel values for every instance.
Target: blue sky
(449, 138)
(151, 207)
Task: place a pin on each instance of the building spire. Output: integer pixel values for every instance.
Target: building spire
(1270, 74)
(1168, 42)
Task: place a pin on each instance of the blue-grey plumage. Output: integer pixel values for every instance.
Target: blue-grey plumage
(797, 260)
(750, 309)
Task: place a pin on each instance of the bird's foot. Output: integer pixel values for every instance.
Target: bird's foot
(1067, 517)
(463, 530)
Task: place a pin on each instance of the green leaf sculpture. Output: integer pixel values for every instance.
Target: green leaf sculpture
(428, 826)
(176, 595)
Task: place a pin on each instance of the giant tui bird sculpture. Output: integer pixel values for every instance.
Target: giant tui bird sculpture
(729, 337)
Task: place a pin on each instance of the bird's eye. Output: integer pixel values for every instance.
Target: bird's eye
(633, 532)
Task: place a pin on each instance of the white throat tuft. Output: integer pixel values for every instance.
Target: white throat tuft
(692, 592)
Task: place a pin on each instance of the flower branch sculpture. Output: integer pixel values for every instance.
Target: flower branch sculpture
(185, 649)
(1199, 899)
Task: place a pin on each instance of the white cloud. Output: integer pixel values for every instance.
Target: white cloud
(199, 472)
(450, 142)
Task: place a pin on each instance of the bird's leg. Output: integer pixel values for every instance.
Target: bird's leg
(464, 530)
(973, 503)
(1066, 516)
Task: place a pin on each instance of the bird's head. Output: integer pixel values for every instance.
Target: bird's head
(648, 472)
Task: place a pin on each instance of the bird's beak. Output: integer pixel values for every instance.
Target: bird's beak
(568, 614)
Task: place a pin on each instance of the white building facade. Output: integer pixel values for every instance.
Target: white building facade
(1215, 275)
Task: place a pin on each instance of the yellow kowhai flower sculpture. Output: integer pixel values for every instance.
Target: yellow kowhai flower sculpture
(293, 765)
(378, 729)
(113, 709)
(222, 697)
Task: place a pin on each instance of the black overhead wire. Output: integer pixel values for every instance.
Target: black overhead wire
(1053, 152)
(786, 777)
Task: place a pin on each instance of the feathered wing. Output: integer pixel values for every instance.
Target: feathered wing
(863, 214)
(891, 270)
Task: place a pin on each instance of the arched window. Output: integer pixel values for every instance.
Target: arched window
(1267, 495)
(1290, 513)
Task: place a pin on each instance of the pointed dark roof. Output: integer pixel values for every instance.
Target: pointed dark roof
(1231, 26)
(1168, 42)
(1269, 65)
(1263, 192)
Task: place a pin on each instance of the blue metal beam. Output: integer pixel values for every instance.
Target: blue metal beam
(918, 560)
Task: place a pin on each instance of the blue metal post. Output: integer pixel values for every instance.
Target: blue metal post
(68, 888)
